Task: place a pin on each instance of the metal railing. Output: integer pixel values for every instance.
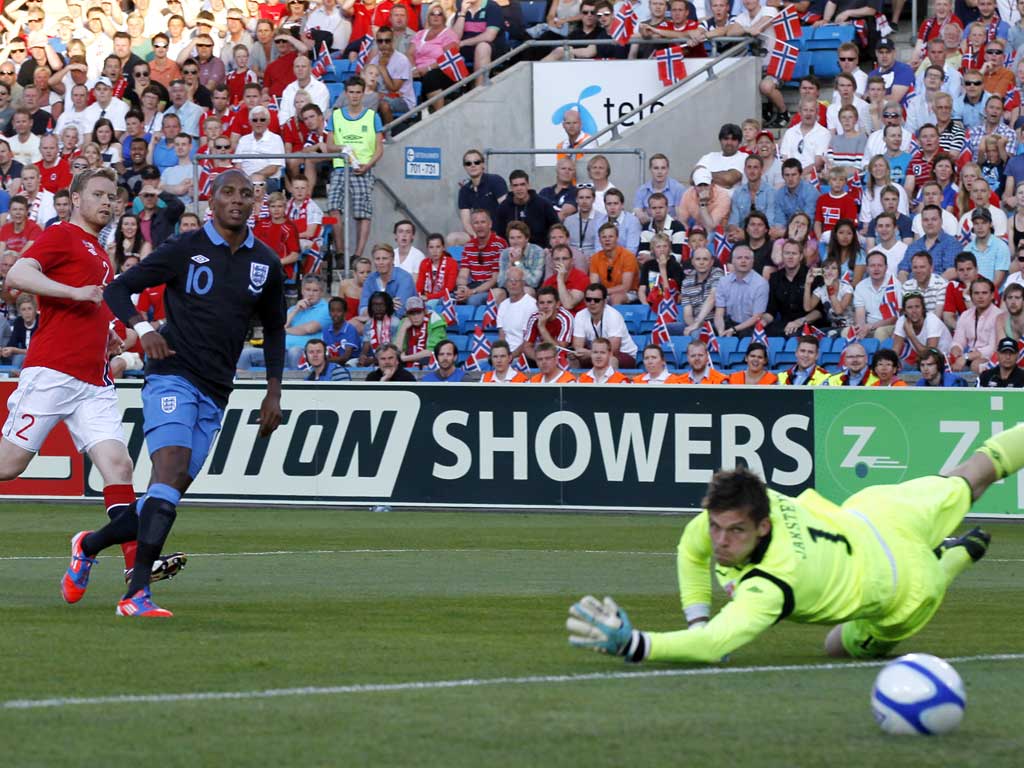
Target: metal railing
(639, 153)
(347, 222)
(709, 68)
(485, 73)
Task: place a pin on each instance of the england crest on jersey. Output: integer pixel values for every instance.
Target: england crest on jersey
(258, 274)
(168, 404)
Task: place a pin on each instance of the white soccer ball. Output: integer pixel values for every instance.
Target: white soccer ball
(918, 694)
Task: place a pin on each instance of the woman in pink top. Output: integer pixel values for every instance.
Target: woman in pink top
(426, 47)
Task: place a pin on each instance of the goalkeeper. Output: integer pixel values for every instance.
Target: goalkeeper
(877, 566)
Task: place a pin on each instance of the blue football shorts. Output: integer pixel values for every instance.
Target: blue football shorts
(176, 413)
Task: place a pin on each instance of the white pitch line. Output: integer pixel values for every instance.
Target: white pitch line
(284, 552)
(427, 685)
(467, 550)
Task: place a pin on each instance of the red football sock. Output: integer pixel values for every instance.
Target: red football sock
(117, 496)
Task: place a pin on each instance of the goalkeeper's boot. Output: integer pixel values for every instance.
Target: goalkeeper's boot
(76, 579)
(164, 567)
(975, 541)
(141, 604)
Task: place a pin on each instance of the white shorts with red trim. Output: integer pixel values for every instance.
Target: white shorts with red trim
(45, 397)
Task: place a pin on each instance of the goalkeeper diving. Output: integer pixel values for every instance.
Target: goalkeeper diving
(877, 566)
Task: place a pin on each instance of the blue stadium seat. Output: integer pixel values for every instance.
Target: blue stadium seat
(727, 345)
(871, 346)
(886, 343)
(818, 51)
(775, 346)
(464, 313)
(461, 342)
(635, 315)
(736, 359)
(534, 11)
(335, 91)
(455, 251)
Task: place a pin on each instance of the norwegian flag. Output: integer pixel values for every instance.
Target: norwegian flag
(431, 364)
(862, 30)
(1020, 352)
(323, 62)
(782, 60)
(490, 311)
(908, 355)
(452, 64)
(810, 330)
(882, 24)
(668, 310)
(448, 309)
(206, 177)
(890, 306)
(787, 24)
(303, 363)
(847, 278)
(660, 334)
(849, 336)
(964, 157)
(1012, 100)
(521, 364)
(722, 248)
(624, 23)
(856, 185)
(671, 64)
(810, 19)
(970, 60)
(313, 256)
(563, 358)
(274, 105)
(760, 335)
(816, 181)
(120, 87)
(364, 52)
(480, 350)
(709, 337)
(966, 233)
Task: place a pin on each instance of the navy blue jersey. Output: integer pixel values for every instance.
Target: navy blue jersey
(210, 297)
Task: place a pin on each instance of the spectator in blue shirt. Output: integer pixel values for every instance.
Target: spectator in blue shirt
(942, 247)
(660, 182)
(992, 253)
(397, 283)
(969, 107)
(898, 77)
(741, 296)
(446, 355)
(753, 194)
(628, 224)
(319, 367)
(341, 337)
(795, 195)
(933, 371)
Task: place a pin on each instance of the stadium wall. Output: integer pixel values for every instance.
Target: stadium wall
(501, 116)
(542, 447)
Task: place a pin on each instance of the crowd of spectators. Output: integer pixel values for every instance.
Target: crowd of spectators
(886, 207)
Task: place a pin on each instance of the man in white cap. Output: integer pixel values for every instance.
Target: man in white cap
(106, 106)
(705, 203)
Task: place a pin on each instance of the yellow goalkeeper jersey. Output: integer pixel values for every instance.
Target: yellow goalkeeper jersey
(819, 564)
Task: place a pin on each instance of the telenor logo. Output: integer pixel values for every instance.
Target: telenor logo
(587, 122)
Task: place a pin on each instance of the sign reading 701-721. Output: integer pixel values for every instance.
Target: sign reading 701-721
(423, 163)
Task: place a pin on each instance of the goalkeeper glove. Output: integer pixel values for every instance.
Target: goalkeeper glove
(604, 627)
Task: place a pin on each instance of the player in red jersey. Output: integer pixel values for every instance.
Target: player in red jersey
(67, 268)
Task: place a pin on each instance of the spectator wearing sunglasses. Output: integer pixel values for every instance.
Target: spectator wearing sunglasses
(478, 191)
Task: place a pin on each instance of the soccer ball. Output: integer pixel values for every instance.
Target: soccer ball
(918, 693)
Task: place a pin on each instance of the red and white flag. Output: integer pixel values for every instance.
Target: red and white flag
(782, 60)
(624, 23)
(452, 64)
(671, 64)
(786, 25)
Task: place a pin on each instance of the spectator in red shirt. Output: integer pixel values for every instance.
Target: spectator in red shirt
(19, 232)
(958, 291)
(835, 204)
(281, 71)
(481, 258)
(273, 10)
(241, 76)
(438, 271)
(240, 125)
(551, 323)
(280, 234)
(570, 282)
(54, 171)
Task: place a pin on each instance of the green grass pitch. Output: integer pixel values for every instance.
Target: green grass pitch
(382, 600)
